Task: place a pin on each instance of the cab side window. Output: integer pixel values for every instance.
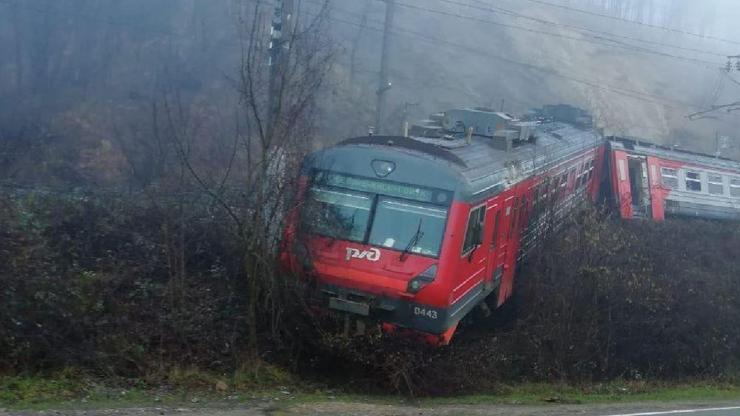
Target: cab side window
(474, 231)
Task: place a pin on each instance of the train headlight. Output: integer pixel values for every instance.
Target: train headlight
(383, 168)
(419, 282)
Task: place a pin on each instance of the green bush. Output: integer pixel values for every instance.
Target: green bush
(603, 299)
(120, 284)
(139, 286)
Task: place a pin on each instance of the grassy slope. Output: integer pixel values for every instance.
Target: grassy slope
(66, 390)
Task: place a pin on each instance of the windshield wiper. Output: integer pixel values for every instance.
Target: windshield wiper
(414, 239)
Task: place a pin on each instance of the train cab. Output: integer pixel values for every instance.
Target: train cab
(414, 232)
(377, 228)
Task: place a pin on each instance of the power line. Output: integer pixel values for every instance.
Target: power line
(735, 106)
(638, 95)
(717, 89)
(496, 9)
(636, 22)
(548, 72)
(733, 80)
(594, 39)
(437, 41)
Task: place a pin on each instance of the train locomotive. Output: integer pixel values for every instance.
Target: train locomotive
(416, 230)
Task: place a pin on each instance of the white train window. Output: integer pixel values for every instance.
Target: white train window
(735, 187)
(669, 177)
(716, 187)
(693, 181)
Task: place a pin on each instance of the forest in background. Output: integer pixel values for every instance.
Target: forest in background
(79, 80)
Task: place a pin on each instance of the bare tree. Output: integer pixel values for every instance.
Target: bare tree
(251, 187)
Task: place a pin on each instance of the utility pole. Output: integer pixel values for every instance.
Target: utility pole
(281, 35)
(384, 83)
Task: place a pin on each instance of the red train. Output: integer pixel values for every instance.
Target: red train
(650, 181)
(415, 231)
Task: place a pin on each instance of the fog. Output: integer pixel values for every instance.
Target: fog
(82, 74)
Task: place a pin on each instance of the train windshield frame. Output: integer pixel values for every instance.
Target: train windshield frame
(381, 213)
(408, 226)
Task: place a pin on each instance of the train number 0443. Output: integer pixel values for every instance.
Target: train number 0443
(428, 313)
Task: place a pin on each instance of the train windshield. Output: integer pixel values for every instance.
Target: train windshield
(408, 226)
(338, 213)
(405, 221)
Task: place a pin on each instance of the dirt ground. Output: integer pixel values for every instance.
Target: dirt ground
(365, 409)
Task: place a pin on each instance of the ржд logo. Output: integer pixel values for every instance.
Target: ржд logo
(372, 255)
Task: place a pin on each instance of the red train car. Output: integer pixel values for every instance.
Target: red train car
(652, 181)
(416, 231)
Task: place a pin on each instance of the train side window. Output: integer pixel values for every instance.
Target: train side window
(563, 184)
(735, 187)
(716, 187)
(693, 181)
(590, 169)
(669, 177)
(474, 231)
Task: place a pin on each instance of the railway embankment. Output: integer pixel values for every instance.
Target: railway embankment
(122, 292)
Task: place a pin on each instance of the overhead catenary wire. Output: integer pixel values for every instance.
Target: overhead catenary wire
(635, 22)
(714, 96)
(638, 95)
(730, 78)
(486, 6)
(599, 40)
(714, 107)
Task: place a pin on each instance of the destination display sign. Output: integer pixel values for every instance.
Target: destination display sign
(376, 187)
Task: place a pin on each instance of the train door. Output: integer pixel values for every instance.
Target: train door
(473, 259)
(494, 268)
(639, 187)
(620, 183)
(657, 194)
(504, 268)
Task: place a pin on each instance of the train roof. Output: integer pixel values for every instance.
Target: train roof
(480, 167)
(646, 148)
(551, 144)
(475, 152)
